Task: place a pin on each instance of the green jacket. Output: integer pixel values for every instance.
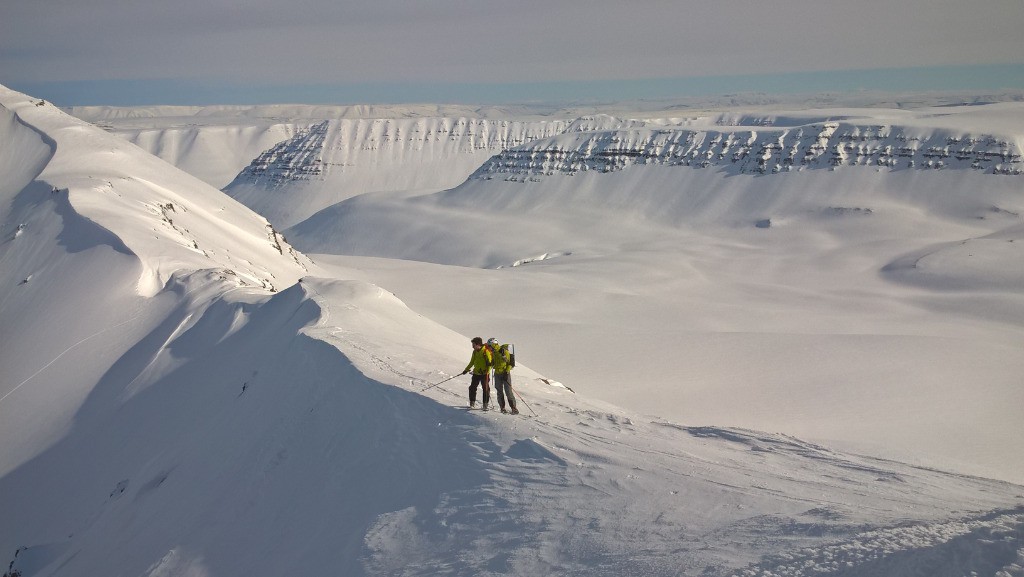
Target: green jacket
(480, 362)
(502, 360)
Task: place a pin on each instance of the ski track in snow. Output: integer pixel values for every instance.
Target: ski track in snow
(64, 352)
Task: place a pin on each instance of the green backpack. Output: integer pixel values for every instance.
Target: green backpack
(509, 356)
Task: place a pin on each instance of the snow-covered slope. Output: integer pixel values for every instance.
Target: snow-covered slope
(215, 143)
(740, 233)
(847, 299)
(176, 402)
(337, 159)
(828, 144)
(92, 228)
(214, 154)
(267, 452)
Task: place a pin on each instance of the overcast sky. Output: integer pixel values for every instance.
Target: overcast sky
(144, 51)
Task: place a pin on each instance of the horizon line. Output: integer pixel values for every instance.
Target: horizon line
(211, 92)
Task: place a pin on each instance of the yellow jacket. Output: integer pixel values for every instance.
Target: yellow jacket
(480, 362)
(501, 360)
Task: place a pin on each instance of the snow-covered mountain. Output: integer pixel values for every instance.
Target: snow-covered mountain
(786, 144)
(333, 160)
(336, 159)
(215, 143)
(184, 395)
(704, 225)
(94, 230)
(212, 144)
(824, 144)
(789, 250)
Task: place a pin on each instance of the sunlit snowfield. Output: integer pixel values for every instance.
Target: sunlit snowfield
(848, 275)
(721, 350)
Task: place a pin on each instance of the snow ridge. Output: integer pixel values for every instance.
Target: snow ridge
(164, 217)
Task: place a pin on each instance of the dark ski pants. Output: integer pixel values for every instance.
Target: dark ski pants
(503, 387)
(476, 381)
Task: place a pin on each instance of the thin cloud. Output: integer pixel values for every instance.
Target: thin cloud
(493, 41)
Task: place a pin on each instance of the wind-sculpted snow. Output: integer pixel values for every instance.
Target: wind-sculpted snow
(144, 205)
(96, 239)
(987, 545)
(25, 154)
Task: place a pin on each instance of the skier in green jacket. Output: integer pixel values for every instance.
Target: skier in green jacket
(502, 364)
(480, 363)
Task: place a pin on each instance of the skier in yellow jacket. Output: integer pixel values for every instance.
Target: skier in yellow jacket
(480, 363)
(502, 363)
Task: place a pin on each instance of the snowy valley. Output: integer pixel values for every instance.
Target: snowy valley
(849, 275)
(788, 349)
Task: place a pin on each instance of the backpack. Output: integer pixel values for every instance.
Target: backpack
(510, 355)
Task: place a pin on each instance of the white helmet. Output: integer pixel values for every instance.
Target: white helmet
(492, 341)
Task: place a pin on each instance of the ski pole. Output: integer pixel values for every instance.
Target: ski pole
(441, 383)
(514, 391)
(521, 398)
(513, 388)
